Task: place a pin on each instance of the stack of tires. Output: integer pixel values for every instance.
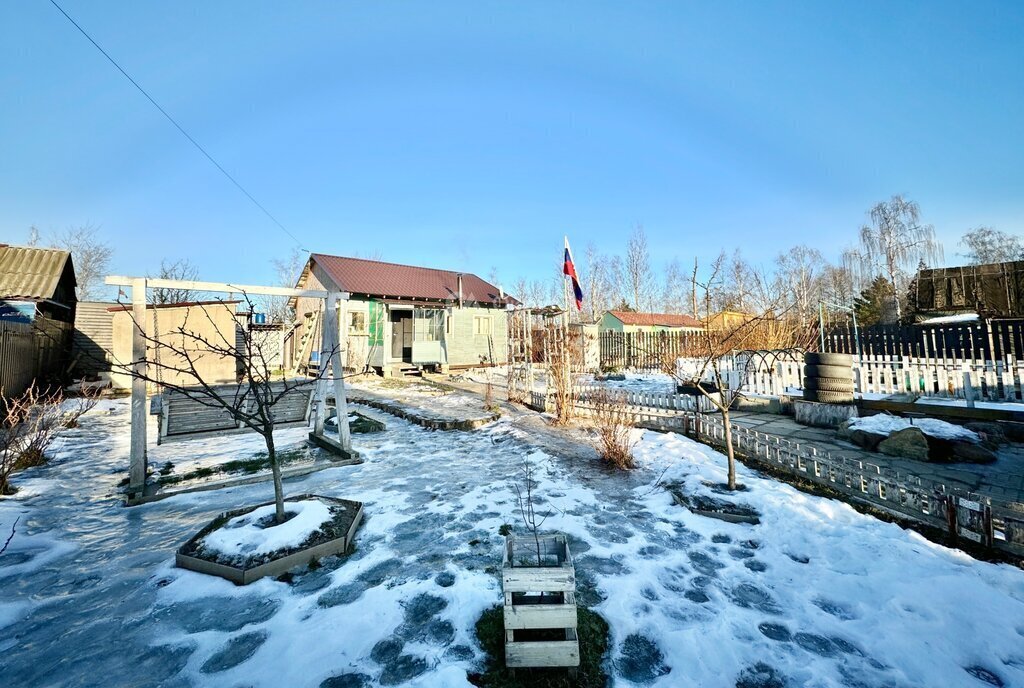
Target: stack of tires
(828, 378)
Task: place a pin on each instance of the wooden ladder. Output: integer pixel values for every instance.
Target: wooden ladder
(309, 332)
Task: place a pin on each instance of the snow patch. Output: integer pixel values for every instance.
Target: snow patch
(884, 424)
(247, 534)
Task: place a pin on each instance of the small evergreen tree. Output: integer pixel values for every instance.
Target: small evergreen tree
(874, 305)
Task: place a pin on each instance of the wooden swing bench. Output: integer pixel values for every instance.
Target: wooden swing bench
(184, 418)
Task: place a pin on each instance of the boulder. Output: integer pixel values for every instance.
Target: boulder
(971, 452)
(992, 434)
(867, 440)
(909, 443)
(940, 450)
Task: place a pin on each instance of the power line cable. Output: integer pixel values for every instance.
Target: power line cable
(178, 126)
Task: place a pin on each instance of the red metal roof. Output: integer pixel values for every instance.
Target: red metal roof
(376, 278)
(656, 319)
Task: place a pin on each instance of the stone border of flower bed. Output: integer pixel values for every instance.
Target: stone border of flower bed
(274, 567)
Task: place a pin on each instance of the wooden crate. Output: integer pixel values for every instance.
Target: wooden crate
(540, 603)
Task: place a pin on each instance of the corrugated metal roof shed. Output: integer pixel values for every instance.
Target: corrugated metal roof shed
(30, 273)
(657, 319)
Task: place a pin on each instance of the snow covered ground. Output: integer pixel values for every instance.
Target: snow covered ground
(816, 595)
(640, 382)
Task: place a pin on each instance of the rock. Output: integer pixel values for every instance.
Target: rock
(992, 434)
(970, 452)
(939, 449)
(957, 451)
(909, 443)
(844, 429)
(865, 439)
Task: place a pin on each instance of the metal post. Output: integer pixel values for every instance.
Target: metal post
(821, 324)
(856, 336)
(137, 467)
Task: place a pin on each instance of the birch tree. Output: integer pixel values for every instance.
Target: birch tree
(894, 242)
(639, 276)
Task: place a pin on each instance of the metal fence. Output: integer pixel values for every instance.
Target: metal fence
(31, 352)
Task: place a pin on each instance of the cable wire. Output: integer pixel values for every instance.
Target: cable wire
(178, 126)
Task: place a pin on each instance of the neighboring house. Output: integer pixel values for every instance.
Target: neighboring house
(202, 321)
(993, 290)
(727, 320)
(400, 317)
(93, 339)
(37, 315)
(628, 321)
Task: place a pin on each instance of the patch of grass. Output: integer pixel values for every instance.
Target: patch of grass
(593, 635)
(249, 466)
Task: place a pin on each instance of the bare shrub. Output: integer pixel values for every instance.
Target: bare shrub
(613, 422)
(564, 365)
(28, 424)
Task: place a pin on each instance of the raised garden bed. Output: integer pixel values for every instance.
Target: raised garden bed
(540, 603)
(333, 536)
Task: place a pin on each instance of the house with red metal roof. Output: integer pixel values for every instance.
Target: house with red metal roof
(403, 318)
(629, 321)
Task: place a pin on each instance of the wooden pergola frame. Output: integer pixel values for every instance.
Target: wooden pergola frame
(138, 287)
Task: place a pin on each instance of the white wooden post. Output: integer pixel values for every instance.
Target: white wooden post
(332, 326)
(968, 388)
(137, 467)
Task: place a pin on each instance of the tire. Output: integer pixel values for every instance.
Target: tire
(828, 397)
(825, 384)
(840, 372)
(828, 359)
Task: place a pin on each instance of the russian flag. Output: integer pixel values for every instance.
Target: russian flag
(569, 269)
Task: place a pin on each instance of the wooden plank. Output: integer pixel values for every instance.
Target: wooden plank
(195, 285)
(547, 653)
(525, 616)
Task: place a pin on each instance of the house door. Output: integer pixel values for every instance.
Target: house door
(401, 335)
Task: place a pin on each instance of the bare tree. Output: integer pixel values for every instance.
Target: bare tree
(639, 276)
(527, 510)
(675, 290)
(896, 241)
(90, 255)
(181, 269)
(799, 272)
(287, 270)
(33, 236)
(988, 245)
(175, 366)
(770, 328)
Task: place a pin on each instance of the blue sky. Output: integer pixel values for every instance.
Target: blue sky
(474, 135)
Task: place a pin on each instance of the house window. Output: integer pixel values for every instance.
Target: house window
(357, 322)
(428, 324)
(481, 324)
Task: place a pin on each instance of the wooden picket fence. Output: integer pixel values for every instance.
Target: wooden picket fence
(887, 374)
(984, 520)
